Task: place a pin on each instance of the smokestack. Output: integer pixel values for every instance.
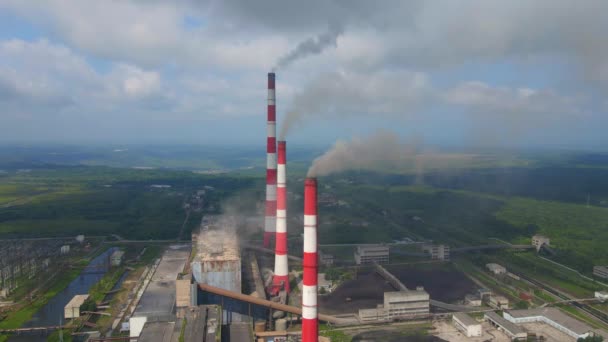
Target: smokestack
(280, 258)
(271, 166)
(310, 323)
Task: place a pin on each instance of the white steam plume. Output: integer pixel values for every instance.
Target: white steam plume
(312, 46)
(380, 150)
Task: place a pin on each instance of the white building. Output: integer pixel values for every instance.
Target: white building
(551, 316)
(116, 257)
(399, 305)
(65, 249)
(437, 252)
(465, 323)
(496, 268)
(366, 254)
(72, 309)
(600, 271)
(539, 240)
(601, 295)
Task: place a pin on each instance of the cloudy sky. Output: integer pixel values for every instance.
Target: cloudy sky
(523, 73)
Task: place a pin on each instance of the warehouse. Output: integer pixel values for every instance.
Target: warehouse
(514, 332)
(551, 316)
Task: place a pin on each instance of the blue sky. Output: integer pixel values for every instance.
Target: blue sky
(457, 73)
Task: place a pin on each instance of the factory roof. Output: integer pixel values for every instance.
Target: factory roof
(218, 241)
(393, 296)
(554, 315)
(465, 319)
(77, 301)
(509, 327)
(157, 332)
(158, 300)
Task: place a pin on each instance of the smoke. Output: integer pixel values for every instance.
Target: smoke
(396, 94)
(312, 46)
(382, 150)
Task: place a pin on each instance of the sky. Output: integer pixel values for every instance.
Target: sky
(455, 73)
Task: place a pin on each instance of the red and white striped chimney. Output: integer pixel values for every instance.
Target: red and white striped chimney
(280, 257)
(271, 166)
(310, 323)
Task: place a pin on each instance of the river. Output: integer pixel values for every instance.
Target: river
(52, 312)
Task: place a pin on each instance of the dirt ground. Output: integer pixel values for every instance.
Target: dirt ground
(446, 285)
(365, 292)
(447, 331)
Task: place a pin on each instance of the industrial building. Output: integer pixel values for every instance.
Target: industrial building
(539, 240)
(367, 254)
(72, 308)
(465, 323)
(399, 305)
(157, 302)
(437, 252)
(601, 295)
(116, 257)
(514, 332)
(472, 300)
(496, 268)
(498, 302)
(600, 271)
(551, 316)
(218, 261)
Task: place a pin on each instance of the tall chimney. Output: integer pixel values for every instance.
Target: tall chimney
(271, 166)
(310, 323)
(280, 258)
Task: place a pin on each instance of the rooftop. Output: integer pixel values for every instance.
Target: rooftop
(511, 328)
(217, 240)
(158, 300)
(406, 295)
(465, 319)
(77, 301)
(157, 332)
(554, 315)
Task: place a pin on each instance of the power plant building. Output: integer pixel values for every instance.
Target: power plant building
(551, 316)
(218, 259)
(398, 305)
(367, 254)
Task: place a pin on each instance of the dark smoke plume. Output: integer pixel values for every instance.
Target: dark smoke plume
(312, 46)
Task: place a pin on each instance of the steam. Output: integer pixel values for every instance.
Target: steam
(380, 150)
(312, 46)
(396, 94)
